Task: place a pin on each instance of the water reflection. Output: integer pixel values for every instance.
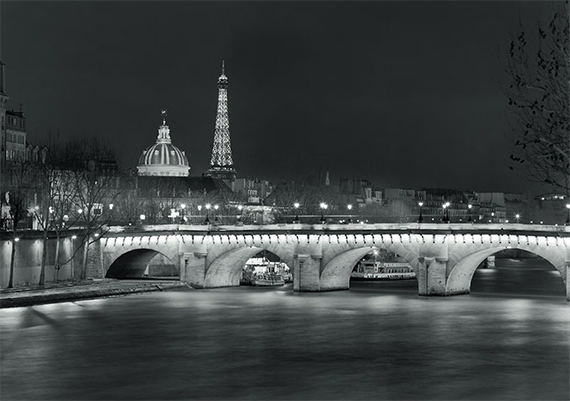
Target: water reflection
(379, 341)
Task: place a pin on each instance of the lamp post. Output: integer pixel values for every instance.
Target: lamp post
(239, 222)
(183, 210)
(568, 210)
(420, 217)
(323, 207)
(349, 207)
(199, 207)
(469, 206)
(518, 216)
(208, 206)
(445, 218)
(216, 207)
(296, 206)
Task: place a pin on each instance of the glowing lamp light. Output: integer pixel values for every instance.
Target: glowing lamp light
(240, 207)
(199, 208)
(349, 206)
(96, 235)
(142, 217)
(208, 206)
(73, 236)
(183, 206)
(111, 206)
(296, 205)
(16, 239)
(216, 207)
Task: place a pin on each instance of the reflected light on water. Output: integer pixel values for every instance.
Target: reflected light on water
(377, 341)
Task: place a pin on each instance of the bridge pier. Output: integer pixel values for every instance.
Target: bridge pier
(432, 276)
(306, 272)
(193, 268)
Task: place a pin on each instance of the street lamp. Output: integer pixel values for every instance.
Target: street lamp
(469, 206)
(207, 221)
(421, 217)
(296, 206)
(323, 207)
(349, 207)
(518, 216)
(216, 213)
(239, 222)
(183, 208)
(445, 218)
(568, 218)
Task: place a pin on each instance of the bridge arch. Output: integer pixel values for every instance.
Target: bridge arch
(134, 263)
(336, 273)
(461, 275)
(225, 270)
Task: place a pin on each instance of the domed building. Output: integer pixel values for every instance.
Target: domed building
(163, 159)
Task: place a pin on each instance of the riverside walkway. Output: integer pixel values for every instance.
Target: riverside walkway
(28, 295)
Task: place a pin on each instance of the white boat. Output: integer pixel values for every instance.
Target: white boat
(370, 270)
(263, 272)
(268, 280)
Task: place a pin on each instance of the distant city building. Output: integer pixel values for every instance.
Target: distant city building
(163, 159)
(550, 208)
(359, 191)
(3, 106)
(221, 163)
(255, 191)
(15, 137)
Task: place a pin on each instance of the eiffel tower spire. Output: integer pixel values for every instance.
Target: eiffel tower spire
(221, 163)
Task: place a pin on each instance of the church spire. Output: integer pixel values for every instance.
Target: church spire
(221, 163)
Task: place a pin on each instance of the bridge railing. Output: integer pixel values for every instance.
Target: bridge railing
(504, 228)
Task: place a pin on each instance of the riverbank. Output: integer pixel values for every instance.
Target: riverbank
(73, 291)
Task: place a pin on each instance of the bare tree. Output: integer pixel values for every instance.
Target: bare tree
(16, 201)
(539, 95)
(91, 165)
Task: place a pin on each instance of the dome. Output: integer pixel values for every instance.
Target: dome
(163, 158)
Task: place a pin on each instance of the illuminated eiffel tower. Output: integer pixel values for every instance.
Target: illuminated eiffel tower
(221, 163)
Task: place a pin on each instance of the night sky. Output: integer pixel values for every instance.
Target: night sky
(406, 94)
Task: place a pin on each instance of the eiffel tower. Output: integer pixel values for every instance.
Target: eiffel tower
(221, 163)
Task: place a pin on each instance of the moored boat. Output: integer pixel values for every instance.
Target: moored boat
(370, 270)
(263, 272)
(268, 280)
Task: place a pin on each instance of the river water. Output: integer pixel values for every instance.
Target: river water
(508, 340)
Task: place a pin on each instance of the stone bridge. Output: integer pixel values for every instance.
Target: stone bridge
(321, 257)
